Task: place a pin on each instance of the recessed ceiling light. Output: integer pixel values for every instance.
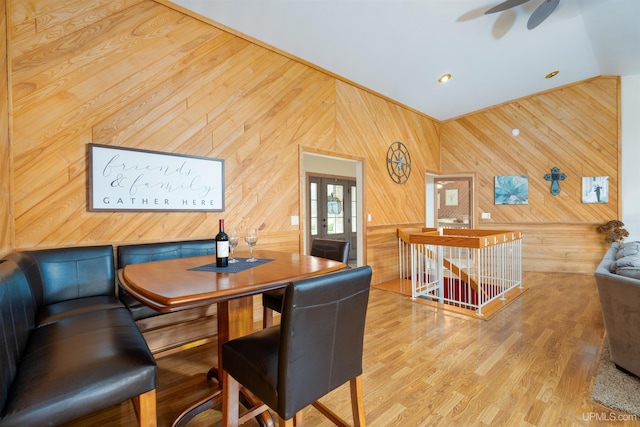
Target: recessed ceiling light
(551, 74)
(443, 78)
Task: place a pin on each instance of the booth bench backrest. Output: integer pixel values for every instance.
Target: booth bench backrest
(58, 275)
(135, 254)
(17, 320)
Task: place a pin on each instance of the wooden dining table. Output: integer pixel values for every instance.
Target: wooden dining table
(181, 283)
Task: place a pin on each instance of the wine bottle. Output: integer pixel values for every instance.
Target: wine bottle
(222, 247)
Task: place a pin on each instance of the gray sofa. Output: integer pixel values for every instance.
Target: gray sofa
(618, 280)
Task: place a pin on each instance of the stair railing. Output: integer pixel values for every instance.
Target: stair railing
(466, 268)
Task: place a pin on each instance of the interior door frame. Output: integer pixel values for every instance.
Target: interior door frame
(347, 182)
(432, 194)
(358, 164)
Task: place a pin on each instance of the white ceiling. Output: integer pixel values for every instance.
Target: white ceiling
(399, 48)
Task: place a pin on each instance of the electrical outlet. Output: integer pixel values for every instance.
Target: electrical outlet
(295, 220)
(486, 215)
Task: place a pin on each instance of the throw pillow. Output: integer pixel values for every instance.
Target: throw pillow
(629, 261)
(628, 266)
(627, 249)
(632, 272)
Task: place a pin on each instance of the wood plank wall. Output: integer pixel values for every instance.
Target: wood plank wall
(137, 73)
(6, 218)
(574, 128)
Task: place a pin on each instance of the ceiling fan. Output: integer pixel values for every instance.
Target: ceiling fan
(540, 14)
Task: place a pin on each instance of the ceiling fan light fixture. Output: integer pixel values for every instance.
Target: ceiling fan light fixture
(444, 78)
(551, 74)
(540, 14)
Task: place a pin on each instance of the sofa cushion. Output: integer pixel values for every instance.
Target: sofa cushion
(137, 309)
(62, 310)
(78, 365)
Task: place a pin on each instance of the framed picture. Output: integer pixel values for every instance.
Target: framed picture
(595, 189)
(128, 179)
(511, 190)
(451, 197)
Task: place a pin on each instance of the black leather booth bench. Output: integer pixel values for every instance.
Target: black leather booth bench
(166, 333)
(68, 345)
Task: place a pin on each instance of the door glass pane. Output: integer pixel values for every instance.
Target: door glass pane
(335, 209)
(354, 211)
(313, 208)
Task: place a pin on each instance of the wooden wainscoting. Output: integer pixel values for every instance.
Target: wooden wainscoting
(569, 248)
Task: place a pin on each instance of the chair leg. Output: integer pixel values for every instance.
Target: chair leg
(145, 409)
(230, 400)
(267, 317)
(286, 423)
(231, 390)
(357, 403)
(332, 416)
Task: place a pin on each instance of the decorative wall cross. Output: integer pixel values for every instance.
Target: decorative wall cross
(555, 176)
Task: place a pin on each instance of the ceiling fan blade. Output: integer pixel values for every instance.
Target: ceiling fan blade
(505, 5)
(541, 13)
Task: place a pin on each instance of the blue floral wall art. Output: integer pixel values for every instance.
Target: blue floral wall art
(512, 190)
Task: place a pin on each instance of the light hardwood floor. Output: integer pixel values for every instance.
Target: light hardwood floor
(532, 364)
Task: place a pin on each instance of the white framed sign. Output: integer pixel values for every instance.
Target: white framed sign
(129, 179)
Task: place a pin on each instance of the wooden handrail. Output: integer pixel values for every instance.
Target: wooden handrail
(458, 237)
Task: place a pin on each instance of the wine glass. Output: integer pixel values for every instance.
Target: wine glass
(251, 237)
(234, 238)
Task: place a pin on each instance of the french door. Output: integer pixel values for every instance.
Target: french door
(332, 211)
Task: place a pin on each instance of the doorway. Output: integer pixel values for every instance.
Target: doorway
(332, 212)
(454, 201)
(341, 167)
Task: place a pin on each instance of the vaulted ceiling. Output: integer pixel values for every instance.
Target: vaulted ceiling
(399, 48)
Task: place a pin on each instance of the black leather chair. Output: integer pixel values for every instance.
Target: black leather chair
(316, 348)
(324, 248)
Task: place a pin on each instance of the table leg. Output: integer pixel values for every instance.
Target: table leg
(235, 318)
(209, 402)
